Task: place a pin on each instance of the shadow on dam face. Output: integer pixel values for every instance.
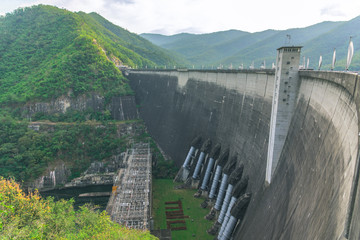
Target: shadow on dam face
(311, 189)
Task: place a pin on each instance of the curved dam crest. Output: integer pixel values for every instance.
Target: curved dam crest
(314, 190)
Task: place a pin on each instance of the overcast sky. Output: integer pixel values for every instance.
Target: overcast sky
(204, 16)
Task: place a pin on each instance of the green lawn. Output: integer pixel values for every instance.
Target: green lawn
(163, 191)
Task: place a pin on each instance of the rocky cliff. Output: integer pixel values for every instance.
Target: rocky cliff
(121, 108)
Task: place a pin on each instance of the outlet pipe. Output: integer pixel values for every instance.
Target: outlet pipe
(222, 161)
(237, 212)
(234, 178)
(204, 149)
(213, 155)
(239, 190)
(224, 182)
(194, 144)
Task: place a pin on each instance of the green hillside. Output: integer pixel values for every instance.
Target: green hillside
(141, 46)
(198, 49)
(336, 38)
(46, 52)
(265, 49)
(237, 47)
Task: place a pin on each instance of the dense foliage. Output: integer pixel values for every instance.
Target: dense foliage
(236, 47)
(73, 116)
(28, 216)
(46, 52)
(25, 154)
(118, 37)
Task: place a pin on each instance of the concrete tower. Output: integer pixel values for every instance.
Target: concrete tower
(284, 101)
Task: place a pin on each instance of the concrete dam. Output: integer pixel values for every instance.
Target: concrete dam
(302, 164)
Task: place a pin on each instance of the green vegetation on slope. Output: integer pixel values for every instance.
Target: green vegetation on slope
(139, 45)
(25, 154)
(163, 191)
(46, 52)
(237, 47)
(198, 49)
(28, 216)
(336, 38)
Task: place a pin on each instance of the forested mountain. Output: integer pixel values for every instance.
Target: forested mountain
(134, 42)
(46, 52)
(237, 47)
(49, 54)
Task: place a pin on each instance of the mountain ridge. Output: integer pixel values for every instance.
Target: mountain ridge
(47, 52)
(318, 39)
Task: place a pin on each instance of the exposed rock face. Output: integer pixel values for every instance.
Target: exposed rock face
(99, 173)
(121, 108)
(57, 175)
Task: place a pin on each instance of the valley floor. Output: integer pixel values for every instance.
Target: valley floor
(196, 225)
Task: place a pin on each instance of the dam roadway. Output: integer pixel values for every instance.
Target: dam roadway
(314, 192)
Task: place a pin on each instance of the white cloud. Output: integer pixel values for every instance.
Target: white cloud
(332, 10)
(199, 16)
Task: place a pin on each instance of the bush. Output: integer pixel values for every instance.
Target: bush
(28, 216)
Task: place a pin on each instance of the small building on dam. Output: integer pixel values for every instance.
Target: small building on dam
(293, 133)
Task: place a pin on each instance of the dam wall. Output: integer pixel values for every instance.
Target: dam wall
(311, 192)
(314, 193)
(229, 107)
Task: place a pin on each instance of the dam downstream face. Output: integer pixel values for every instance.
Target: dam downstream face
(230, 108)
(310, 192)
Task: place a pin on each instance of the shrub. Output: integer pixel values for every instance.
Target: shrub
(28, 216)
